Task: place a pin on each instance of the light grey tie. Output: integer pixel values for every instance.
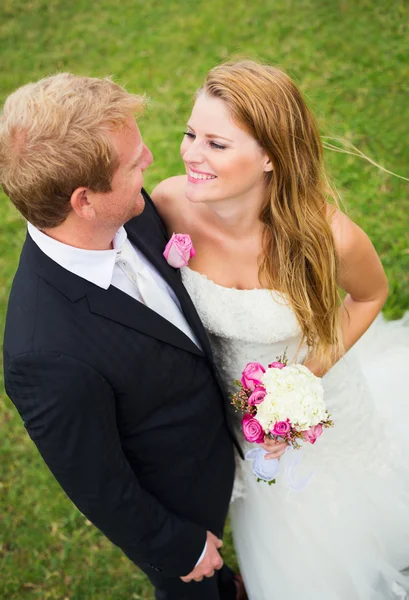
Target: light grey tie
(148, 289)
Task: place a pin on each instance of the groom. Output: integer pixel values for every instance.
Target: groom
(105, 357)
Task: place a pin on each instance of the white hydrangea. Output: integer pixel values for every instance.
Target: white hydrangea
(293, 393)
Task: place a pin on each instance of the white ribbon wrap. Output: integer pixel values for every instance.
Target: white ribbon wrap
(267, 470)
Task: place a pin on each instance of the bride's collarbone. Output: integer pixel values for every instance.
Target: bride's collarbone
(225, 274)
(225, 262)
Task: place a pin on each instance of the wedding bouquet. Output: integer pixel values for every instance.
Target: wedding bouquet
(284, 403)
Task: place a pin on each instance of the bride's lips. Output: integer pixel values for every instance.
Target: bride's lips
(196, 177)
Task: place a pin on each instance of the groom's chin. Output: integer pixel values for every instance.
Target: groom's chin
(139, 206)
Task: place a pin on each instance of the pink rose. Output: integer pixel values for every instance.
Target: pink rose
(277, 365)
(251, 375)
(257, 396)
(179, 250)
(252, 430)
(282, 428)
(312, 434)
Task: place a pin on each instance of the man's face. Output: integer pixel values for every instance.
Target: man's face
(125, 200)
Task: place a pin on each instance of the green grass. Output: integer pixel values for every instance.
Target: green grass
(350, 59)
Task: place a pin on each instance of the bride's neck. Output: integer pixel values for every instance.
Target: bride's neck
(235, 218)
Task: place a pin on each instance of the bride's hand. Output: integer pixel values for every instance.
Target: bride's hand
(274, 449)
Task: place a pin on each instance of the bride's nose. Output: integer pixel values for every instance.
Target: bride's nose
(193, 153)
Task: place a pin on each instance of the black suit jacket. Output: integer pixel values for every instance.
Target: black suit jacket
(127, 412)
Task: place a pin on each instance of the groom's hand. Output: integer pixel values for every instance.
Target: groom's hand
(211, 562)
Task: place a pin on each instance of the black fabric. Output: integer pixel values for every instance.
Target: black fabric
(127, 412)
(219, 587)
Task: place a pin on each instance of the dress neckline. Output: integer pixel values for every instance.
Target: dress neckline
(229, 289)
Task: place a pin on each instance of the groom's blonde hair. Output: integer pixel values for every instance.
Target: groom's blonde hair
(54, 138)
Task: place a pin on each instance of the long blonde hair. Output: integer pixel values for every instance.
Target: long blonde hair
(299, 257)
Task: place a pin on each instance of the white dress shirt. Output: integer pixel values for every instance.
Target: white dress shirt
(105, 268)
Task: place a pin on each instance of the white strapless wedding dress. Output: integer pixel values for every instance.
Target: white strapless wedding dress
(345, 536)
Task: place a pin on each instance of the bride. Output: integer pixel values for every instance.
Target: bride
(272, 252)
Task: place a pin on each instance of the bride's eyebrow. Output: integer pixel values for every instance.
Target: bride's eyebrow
(220, 137)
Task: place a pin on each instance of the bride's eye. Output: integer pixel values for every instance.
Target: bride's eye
(217, 146)
(189, 134)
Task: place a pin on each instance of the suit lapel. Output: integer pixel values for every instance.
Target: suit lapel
(140, 235)
(117, 306)
(152, 248)
(147, 233)
(112, 303)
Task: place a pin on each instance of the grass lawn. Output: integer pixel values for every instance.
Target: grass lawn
(351, 60)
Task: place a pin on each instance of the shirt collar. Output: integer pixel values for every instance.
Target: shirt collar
(96, 266)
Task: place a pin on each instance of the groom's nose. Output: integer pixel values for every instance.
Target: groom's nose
(147, 158)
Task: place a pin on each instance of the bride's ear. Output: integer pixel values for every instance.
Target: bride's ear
(268, 165)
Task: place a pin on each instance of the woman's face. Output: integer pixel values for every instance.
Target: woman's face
(222, 160)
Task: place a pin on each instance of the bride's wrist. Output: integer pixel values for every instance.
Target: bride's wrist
(315, 366)
(320, 367)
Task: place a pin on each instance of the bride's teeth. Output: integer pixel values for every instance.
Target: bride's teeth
(200, 176)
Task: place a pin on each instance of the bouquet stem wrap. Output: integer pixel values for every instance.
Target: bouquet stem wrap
(267, 470)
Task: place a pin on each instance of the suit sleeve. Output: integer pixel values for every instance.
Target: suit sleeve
(69, 412)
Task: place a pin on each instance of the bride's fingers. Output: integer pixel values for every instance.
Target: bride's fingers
(275, 450)
(271, 456)
(272, 446)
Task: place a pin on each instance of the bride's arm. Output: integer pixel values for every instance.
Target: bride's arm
(362, 277)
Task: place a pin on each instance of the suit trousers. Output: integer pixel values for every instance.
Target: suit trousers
(219, 587)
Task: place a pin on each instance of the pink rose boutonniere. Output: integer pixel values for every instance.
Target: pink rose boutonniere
(179, 250)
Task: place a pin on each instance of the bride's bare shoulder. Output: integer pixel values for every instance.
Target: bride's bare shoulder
(169, 197)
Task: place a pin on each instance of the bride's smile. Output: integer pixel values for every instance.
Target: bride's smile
(223, 162)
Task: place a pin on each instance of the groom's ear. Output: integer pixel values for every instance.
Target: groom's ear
(81, 205)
